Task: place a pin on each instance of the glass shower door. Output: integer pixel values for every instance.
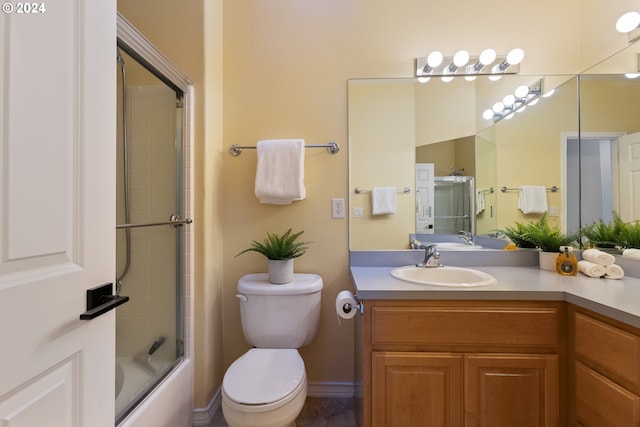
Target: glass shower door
(149, 330)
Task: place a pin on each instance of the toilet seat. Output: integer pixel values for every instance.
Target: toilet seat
(265, 377)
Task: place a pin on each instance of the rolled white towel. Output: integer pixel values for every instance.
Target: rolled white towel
(614, 271)
(631, 253)
(599, 257)
(591, 269)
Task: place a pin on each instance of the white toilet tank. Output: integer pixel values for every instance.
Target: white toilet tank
(280, 316)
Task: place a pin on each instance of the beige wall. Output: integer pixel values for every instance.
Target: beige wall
(286, 64)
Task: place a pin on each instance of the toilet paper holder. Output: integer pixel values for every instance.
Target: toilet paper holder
(347, 307)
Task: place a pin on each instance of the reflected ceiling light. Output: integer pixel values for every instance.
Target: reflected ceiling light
(628, 22)
(423, 79)
(548, 94)
(436, 64)
(509, 100)
(632, 75)
(512, 103)
(446, 79)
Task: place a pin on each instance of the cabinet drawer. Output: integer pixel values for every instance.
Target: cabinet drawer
(610, 348)
(603, 403)
(452, 326)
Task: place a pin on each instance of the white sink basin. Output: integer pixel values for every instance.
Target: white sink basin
(456, 246)
(444, 276)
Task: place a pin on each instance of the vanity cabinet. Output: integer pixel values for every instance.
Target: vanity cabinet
(606, 371)
(463, 363)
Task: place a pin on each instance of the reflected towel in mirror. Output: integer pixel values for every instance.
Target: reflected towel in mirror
(532, 199)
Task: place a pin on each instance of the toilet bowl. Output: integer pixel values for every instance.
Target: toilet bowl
(267, 386)
(264, 388)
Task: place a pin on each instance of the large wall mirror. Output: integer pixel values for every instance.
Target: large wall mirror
(450, 164)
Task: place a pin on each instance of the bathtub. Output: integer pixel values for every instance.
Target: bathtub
(136, 377)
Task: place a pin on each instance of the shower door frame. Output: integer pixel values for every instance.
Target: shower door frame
(143, 51)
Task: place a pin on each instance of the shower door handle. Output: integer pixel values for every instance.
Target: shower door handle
(101, 300)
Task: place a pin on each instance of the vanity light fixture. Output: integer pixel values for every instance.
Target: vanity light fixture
(516, 102)
(628, 22)
(463, 64)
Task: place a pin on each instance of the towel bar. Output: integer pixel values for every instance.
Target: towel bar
(405, 190)
(332, 147)
(552, 189)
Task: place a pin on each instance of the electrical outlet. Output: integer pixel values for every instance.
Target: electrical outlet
(553, 210)
(337, 208)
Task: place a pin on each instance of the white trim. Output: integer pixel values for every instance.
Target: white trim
(139, 44)
(201, 417)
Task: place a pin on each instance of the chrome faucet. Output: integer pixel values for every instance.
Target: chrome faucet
(467, 237)
(431, 255)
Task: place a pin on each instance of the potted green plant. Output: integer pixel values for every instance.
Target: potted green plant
(280, 250)
(540, 234)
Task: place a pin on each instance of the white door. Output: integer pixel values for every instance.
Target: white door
(424, 198)
(57, 211)
(629, 167)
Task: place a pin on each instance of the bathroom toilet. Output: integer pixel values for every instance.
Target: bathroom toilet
(267, 386)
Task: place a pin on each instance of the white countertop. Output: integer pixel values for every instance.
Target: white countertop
(618, 299)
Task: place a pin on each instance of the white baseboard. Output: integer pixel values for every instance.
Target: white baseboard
(203, 416)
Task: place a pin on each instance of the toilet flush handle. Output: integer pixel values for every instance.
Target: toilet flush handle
(242, 297)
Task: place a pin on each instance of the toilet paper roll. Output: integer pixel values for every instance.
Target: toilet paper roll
(346, 305)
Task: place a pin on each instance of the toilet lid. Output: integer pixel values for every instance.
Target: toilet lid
(263, 376)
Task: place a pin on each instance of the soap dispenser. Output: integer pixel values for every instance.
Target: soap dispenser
(566, 262)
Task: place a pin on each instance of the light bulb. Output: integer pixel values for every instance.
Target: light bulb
(632, 75)
(498, 107)
(628, 22)
(461, 58)
(509, 100)
(470, 78)
(487, 56)
(424, 79)
(434, 59)
(548, 94)
(494, 77)
(446, 79)
(487, 114)
(522, 91)
(515, 56)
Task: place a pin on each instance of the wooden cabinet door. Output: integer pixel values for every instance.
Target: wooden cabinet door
(602, 403)
(417, 389)
(507, 390)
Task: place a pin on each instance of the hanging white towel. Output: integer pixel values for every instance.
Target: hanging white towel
(479, 200)
(280, 171)
(533, 199)
(383, 200)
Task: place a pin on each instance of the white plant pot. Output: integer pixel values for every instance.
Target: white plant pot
(547, 260)
(280, 271)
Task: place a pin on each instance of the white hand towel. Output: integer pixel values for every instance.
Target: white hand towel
(591, 269)
(383, 200)
(631, 253)
(614, 271)
(479, 200)
(280, 171)
(533, 199)
(599, 257)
